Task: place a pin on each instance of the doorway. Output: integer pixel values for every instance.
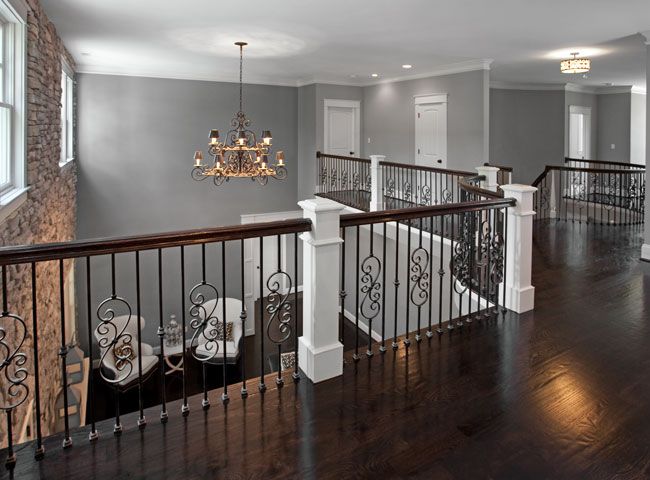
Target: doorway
(579, 132)
(431, 131)
(342, 127)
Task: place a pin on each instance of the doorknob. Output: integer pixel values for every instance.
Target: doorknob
(351, 153)
(440, 160)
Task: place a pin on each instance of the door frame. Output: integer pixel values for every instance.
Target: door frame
(356, 106)
(428, 99)
(580, 110)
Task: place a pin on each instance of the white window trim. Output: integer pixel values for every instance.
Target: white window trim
(15, 12)
(69, 72)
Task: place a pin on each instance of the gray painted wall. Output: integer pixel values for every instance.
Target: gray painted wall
(526, 131)
(389, 119)
(306, 141)
(613, 127)
(637, 128)
(583, 100)
(311, 125)
(136, 141)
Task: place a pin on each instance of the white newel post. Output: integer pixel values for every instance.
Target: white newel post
(320, 354)
(490, 174)
(520, 294)
(376, 183)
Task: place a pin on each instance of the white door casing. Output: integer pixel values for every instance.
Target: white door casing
(342, 127)
(431, 130)
(252, 261)
(579, 132)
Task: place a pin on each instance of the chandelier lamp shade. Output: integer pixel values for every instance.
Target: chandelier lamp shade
(240, 154)
(575, 64)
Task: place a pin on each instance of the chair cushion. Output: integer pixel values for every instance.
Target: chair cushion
(229, 331)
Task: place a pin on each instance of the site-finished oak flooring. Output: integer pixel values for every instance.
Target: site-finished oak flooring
(561, 392)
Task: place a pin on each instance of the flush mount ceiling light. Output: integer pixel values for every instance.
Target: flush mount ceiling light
(374, 75)
(406, 66)
(575, 64)
(240, 155)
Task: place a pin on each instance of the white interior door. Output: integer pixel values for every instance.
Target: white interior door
(253, 265)
(431, 133)
(579, 132)
(342, 128)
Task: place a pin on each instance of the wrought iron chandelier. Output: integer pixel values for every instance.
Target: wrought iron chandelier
(575, 64)
(240, 155)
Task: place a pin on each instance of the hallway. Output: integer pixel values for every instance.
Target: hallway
(562, 391)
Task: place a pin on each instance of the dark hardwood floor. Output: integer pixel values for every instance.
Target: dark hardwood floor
(560, 392)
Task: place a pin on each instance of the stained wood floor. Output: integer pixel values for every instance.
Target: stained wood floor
(561, 392)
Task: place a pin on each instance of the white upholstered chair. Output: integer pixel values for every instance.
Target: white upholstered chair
(233, 310)
(109, 364)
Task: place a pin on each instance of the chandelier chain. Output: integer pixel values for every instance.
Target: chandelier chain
(241, 76)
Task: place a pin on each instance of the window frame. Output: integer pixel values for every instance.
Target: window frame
(13, 14)
(68, 85)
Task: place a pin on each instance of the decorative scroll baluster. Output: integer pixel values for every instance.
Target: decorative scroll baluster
(12, 366)
(371, 268)
(420, 279)
(278, 307)
(204, 344)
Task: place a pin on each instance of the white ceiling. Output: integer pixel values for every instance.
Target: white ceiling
(295, 42)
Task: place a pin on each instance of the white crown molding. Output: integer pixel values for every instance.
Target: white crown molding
(574, 87)
(252, 80)
(568, 87)
(450, 69)
(526, 86)
(460, 67)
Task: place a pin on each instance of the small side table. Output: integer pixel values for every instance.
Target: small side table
(174, 358)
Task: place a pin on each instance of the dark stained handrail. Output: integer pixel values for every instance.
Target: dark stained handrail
(500, 167)
(606, 162)
(397, 215)
(81, 248)
(410, 166)
(466, 183)
(342, 157)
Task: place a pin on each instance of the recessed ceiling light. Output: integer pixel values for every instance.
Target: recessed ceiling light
(407, 66)
(85, 54)
(353, 75)
(374, 75)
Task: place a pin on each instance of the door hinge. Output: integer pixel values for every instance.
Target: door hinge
(418, 115)
(418, 151)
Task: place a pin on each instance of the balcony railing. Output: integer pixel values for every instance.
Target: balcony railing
(598, 195)
(401, 274)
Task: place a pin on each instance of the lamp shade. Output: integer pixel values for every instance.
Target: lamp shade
(214, 136)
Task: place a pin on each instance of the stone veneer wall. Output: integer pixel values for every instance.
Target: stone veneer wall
(48, 214)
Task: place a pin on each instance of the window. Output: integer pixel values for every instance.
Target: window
(67, 116)
(12, 104)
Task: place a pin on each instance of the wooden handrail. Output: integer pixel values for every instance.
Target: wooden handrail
(465, 184)
(82, 248)
(593, 170)
(605, 162)
(342, 157)
(409, 166)
(399, 214)
(500, 167)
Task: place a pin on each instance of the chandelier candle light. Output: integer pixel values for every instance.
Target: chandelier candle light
(575, 64)
(240, 155)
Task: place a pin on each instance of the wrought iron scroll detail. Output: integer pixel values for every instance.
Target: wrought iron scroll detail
(278, 327)
(370, 287)
(13, 360)
(462, 256)
(115, 342)
(204, 321)
(419, 277)
(390, 187)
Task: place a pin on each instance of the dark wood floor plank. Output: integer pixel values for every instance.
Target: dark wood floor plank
(560, 392)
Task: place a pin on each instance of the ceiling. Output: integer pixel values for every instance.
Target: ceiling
(295, 42)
